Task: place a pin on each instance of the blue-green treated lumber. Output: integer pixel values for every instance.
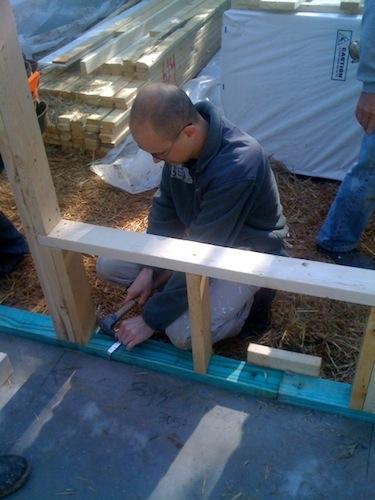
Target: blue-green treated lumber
(309, 392)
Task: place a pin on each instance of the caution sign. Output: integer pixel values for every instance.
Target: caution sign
(341, 55)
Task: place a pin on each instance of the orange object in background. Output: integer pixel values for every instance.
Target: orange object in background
(33, 80)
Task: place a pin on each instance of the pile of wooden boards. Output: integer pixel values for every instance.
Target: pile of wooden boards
(91, 87)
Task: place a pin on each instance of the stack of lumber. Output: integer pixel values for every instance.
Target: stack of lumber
(91, 87)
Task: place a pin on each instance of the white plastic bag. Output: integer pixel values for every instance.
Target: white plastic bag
(129, 168)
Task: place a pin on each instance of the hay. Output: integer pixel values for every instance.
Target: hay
(321, 327)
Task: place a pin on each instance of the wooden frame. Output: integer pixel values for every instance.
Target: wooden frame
(56, 244)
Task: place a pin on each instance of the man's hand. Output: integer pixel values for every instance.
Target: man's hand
(133, 331)
(141, 288)
(366, 112)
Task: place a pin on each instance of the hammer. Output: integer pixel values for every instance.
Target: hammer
(107, 323)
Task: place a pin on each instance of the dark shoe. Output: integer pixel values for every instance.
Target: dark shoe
(14, 470)
(354, 258)
(259, 319)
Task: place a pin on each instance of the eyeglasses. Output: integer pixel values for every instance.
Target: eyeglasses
(162, 156)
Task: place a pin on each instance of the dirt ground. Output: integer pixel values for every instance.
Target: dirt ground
(321, 327)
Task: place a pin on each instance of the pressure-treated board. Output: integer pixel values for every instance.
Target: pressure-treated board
(226, 373)
(365, 364)
(283, 273)
(61, 274)
(6, 368)
(280, 359)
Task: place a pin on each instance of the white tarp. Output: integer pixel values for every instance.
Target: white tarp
(288, 81)
(43, 25)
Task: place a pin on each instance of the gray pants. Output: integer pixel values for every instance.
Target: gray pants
(230, 302)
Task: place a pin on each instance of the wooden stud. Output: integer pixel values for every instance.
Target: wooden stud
(365, 365)
(200, 321)
(28, 172)
(6, 369)
(369, 404)
(279, 359)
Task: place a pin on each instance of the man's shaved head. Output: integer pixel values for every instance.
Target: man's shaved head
(165, 107)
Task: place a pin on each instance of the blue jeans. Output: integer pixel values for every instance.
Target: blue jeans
(353, 205)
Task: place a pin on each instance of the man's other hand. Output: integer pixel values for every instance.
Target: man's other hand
(133, 331)
(366, 112)
(141, 288)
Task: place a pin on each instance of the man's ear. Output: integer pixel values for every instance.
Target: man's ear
(190, 130)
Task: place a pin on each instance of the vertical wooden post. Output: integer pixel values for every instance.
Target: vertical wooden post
(61, 274)
(369, 404)
(362, 387)
(200, 321)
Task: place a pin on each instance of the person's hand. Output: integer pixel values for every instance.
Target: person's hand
(141, 288)
(365, 112)
(133, 331)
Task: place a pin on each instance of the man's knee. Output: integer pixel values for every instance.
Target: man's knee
(179, 333)
(181, 343)
(104, 268)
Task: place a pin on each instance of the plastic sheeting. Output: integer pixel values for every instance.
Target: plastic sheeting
(288, 81)
(43, 25)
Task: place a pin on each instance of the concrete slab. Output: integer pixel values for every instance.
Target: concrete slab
(98, 429)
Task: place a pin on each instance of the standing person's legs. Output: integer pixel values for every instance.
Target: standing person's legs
(353, 205)
(230, 304)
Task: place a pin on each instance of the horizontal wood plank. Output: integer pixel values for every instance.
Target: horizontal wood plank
(283, 273)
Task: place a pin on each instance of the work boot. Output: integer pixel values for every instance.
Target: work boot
(354, 258)
(14, 470)
(259, 319)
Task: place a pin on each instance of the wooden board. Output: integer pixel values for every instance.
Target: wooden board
(225, 373)
(280, 359)
(318, 6)
(369, 404)
(285, 5)
(200, 321)
(61, 274)
(365, 364)
(318, 279)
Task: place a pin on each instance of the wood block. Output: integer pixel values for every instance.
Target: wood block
(351, 6)
(244, 4)
(283, 360)
(6, 369)
(286, 5)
